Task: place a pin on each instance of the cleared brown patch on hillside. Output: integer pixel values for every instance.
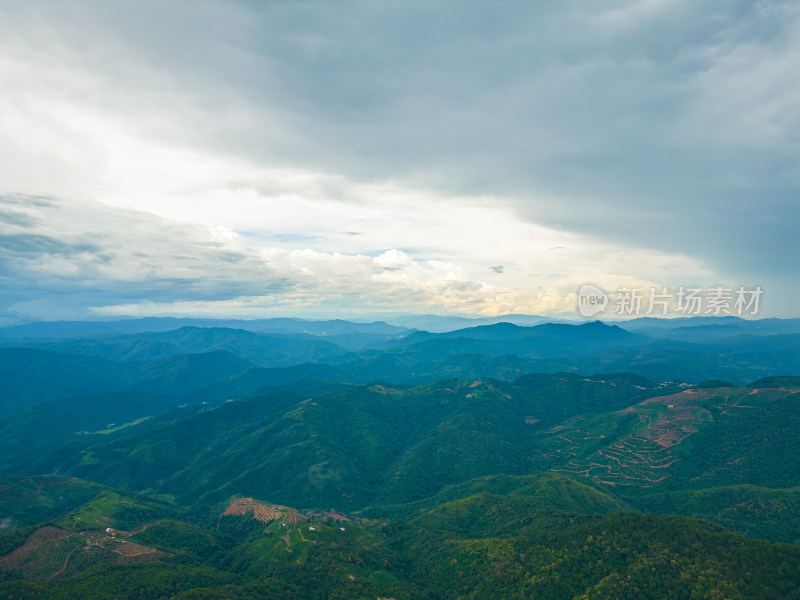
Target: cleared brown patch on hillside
(128, 551)
(262, 511)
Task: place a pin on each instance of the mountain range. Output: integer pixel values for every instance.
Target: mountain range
(349, 460)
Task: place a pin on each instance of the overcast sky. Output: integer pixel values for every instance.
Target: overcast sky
(322, 158)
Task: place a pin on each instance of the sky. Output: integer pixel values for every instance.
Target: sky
(254, 159)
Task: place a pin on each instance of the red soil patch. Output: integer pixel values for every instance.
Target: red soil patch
(262, 511)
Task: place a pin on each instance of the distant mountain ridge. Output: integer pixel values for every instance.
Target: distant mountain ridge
(259, 348)
(43, 369)
(74, 329)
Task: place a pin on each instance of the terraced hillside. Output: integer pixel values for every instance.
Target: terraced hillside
(663, 441)
(49, 552)
(263, 511)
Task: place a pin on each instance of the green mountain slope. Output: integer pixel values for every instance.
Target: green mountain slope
(692, 439)
(346, 448)
(758, 512)
(548, 536)
(619, 555)
(383, 445)
(33, 376)
(46, 422)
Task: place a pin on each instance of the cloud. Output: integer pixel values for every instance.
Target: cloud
(94, 251)
(393, 260)
(136, 260)
(647, 141)
(78, 258)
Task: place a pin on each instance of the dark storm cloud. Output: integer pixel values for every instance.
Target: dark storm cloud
(668, 125)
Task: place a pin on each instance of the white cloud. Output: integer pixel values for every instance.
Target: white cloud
(136, 263)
